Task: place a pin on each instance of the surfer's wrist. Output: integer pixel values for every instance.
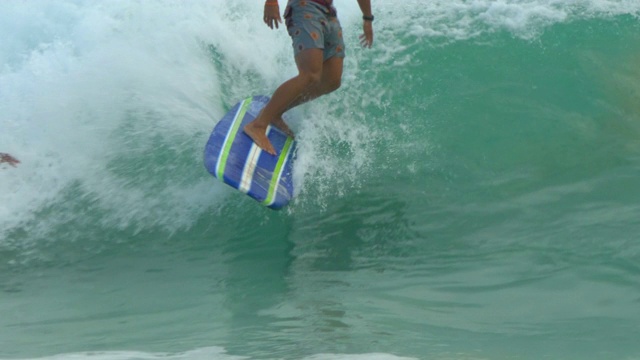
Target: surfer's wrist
(271, 3)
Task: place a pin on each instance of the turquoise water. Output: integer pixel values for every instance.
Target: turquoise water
(471, 192)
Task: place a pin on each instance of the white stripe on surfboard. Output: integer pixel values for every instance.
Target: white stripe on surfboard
(250, 166)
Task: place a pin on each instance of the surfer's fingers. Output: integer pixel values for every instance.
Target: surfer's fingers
(364, 41)
(272, 21)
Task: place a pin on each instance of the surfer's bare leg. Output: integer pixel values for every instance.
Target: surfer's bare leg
(309, 63)
(330, 82)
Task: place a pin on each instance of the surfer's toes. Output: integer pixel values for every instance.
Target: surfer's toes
(268, 148)
(260, 138)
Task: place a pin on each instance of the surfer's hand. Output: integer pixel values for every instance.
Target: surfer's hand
(366, 39)
(272, 14)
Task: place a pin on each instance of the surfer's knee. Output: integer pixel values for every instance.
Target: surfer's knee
(311, 79)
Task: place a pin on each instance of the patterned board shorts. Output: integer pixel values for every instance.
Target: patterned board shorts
(314, 26)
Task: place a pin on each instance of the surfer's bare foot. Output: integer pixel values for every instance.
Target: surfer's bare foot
(280, 124)
(259, 135)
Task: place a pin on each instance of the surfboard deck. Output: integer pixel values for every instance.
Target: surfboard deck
(232, 157)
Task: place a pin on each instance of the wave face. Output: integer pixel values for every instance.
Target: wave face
(470, 192)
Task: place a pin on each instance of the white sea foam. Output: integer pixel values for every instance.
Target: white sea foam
(89, 90)
(209, 353)
(463, 19)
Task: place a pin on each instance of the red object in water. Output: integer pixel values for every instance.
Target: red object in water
(6, 158)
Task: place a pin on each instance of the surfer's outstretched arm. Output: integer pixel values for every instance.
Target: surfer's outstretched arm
(6, 158)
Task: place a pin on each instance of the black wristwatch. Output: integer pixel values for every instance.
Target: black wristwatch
(368, 18)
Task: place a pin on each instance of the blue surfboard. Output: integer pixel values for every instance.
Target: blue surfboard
(232, 157)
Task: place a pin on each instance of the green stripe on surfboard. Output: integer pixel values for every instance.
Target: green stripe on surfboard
(232, 135)
(276, 172)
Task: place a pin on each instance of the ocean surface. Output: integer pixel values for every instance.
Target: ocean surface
(471, 192)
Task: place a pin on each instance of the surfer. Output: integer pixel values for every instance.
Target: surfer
(6, 158)
(319, 53)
